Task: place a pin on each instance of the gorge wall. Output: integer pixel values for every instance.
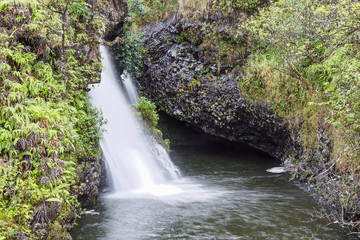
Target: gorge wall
(186, 83)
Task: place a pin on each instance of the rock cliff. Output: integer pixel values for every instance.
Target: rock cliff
(187, 79)
(184, 80)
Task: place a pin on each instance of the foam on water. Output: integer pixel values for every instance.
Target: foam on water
(181, 190)
(276, 170)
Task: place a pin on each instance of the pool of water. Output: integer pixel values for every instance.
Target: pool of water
(224, 193)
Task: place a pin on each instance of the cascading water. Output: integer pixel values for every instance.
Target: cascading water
(129, 88)
(135, 161)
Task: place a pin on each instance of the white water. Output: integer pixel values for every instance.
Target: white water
(276, 170)
(130, 88)
(136, 162)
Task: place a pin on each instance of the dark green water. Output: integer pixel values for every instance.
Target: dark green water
(226, 193)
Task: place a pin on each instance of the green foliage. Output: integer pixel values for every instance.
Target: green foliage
(226, 10)
(227, 46)
(129, 54)
(149, 11)
(136, 8)
(154, 10)
(306, 63)
(318, 52)
(157, 5)
(229, 7)
(46, 123)
(262, 83)
(80, 9)
(147, 111)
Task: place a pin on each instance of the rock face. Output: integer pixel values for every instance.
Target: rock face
(183, 79)
(189, 80)
(116, 12)
(90, 179)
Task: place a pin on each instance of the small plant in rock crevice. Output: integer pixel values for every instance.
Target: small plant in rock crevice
(147, 111)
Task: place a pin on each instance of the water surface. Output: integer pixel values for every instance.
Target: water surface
(225, 193)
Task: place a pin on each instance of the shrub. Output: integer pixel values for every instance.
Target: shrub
(147, 111)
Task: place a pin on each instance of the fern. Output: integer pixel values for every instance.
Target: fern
(5, 5)
(40, 118)
(4, 68)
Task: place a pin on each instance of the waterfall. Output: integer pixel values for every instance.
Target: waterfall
(130, 88)
(136, 162)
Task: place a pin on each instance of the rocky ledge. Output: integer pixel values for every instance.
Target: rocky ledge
(183, 79)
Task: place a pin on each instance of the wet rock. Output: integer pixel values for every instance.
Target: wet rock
(43, 215)
(22, 236)
(116, 12)
(90, 179)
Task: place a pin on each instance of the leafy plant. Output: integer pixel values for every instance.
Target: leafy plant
(136, 8)
(147, 111)
(129, 54)
(46, 123)
(305, 65)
